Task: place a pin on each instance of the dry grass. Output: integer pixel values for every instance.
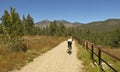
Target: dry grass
(36, 46)
(11, 61)
(113, 51)
(113, 62)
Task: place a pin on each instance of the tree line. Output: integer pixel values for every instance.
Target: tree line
(104, 38)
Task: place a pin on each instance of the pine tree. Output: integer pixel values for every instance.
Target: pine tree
(11, 23)
(1, 31)
(62, 30)
(52, 28)
(28, 25)
(6, 23)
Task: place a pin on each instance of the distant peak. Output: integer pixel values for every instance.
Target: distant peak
(46, 20)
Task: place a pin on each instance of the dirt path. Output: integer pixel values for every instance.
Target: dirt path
(55, 60)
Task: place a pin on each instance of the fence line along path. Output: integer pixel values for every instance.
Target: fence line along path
(55, 60)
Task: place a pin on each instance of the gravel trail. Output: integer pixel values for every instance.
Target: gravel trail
(55, 60)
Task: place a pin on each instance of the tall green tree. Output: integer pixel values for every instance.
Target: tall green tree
(62, 30)
(28, 25)
(1, 31)
(53, 28)
(11, 23)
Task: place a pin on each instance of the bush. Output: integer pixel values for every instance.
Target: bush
(12, 45)
(17, 45)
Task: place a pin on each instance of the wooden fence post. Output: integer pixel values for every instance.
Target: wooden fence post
(83, 43)
(86, 45)
(92, 51)
(99, 55)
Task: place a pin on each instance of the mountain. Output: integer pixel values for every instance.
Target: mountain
(45, 23)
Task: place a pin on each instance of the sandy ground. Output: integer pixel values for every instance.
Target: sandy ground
(55, 60)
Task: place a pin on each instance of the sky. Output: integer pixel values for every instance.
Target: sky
(83, 11)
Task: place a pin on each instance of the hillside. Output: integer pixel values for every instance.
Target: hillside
(106, 25)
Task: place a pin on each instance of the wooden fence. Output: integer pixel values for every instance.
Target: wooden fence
(90, 47)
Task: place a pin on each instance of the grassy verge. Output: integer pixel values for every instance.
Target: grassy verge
(36, 46)
(84, 55)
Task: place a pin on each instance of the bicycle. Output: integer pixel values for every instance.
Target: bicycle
(69, 50)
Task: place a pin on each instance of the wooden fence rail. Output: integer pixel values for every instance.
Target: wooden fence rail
(98, 54)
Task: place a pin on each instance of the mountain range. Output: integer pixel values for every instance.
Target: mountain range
(46, 22)
(106, 25)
